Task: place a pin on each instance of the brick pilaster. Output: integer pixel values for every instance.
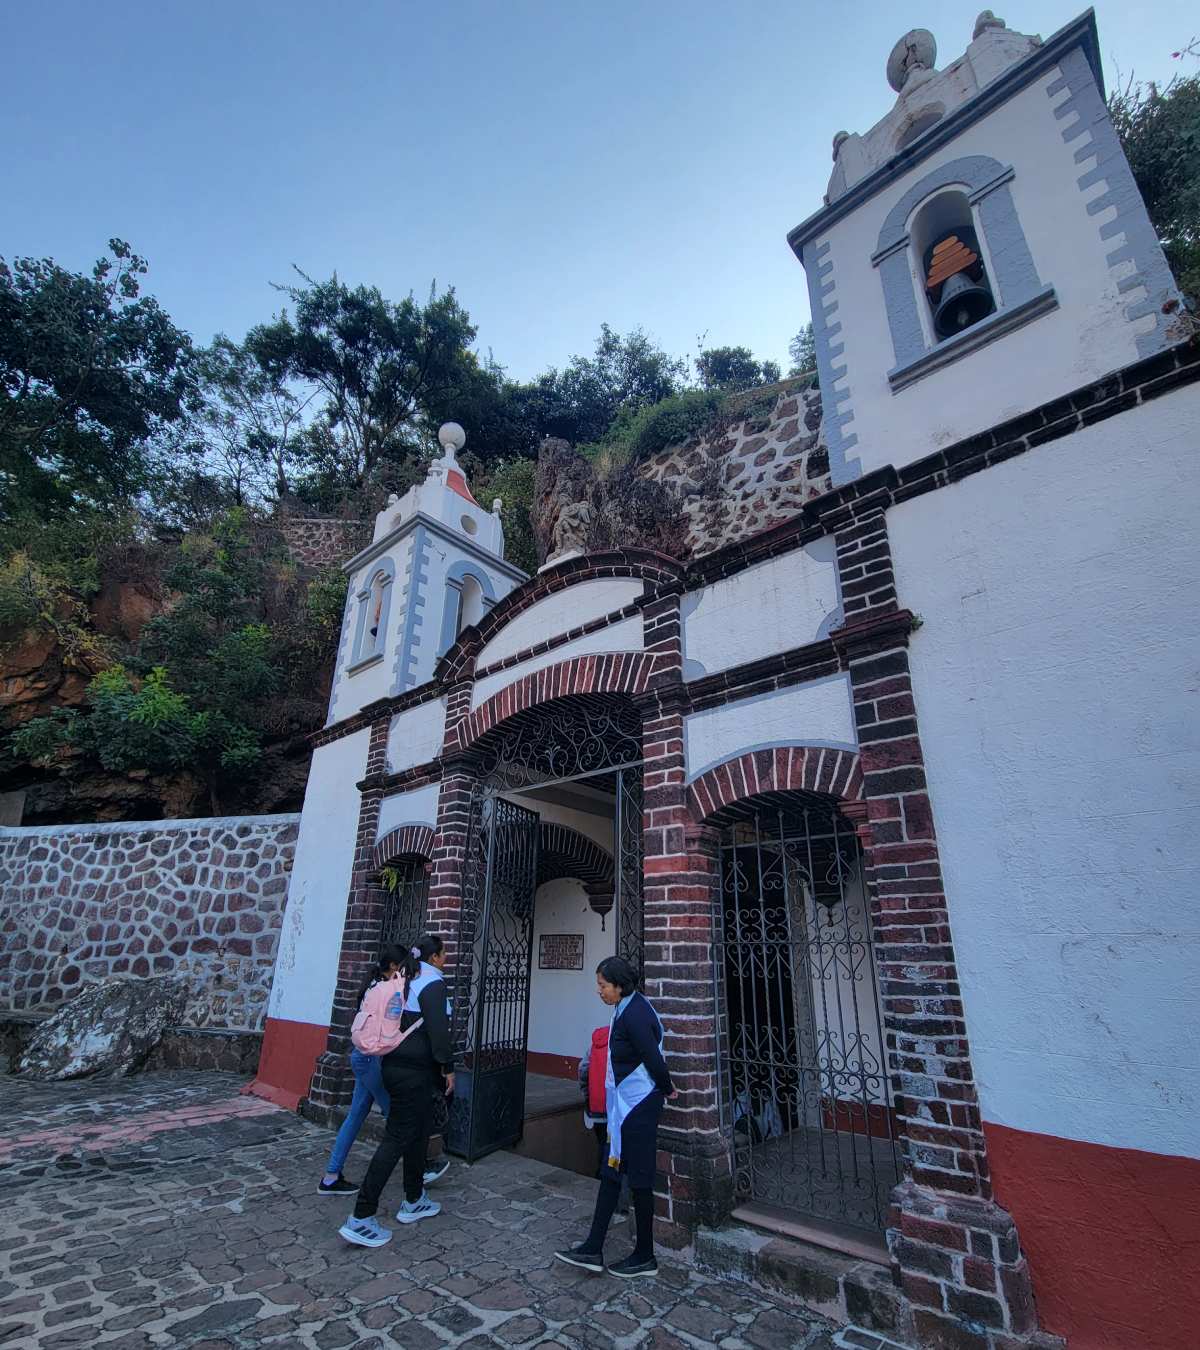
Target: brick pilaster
(332, 1081)
(955, 1252)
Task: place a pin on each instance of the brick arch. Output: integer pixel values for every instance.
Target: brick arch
(606, 673)
(406, 841)
(564, 852)
(657, 570)
(803, 768)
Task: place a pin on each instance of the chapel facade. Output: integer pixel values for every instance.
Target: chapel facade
(888, 802)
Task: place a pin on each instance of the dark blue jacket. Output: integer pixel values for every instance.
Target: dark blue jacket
(636, 1037)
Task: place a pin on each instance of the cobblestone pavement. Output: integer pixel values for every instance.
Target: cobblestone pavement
(168, 1210)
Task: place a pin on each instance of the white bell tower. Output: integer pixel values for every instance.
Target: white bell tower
(983, 249)
(434, 567)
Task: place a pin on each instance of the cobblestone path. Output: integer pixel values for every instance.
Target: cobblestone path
(168, 1210)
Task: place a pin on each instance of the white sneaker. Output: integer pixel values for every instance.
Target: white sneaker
(436, 1171)
(365, 1232)
(424, 1208)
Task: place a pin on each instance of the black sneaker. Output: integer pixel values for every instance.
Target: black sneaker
(632, 1266)
(339, 1187)
(581, 1257)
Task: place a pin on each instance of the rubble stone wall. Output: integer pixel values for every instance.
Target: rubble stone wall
(200, 898)
(319, 542)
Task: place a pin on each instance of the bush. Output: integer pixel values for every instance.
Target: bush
(638, 436)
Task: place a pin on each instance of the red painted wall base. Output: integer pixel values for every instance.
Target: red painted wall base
(1112, 1236)
(289, 1055)
(557, 1066)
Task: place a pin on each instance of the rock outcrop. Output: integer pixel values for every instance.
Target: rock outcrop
(109, 1029)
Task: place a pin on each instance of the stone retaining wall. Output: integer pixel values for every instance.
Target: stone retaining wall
(202, 898)
(319, 542)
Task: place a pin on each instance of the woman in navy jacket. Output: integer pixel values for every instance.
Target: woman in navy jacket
(638, 1083)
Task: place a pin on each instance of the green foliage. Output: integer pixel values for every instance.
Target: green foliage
(641, 434)
(733, 368)
(1160, 133)
(513, 483)
(90, 371)
(803, 351)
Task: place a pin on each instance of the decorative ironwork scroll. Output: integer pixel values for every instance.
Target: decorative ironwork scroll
(807, 1109)
(406, 883)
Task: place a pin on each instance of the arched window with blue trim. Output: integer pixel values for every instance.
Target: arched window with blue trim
(374, 603)
(469, 596)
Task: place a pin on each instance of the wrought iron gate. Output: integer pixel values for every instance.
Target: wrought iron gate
(406, 883)
(490, 1013)
(806, 1094)
(627, 874)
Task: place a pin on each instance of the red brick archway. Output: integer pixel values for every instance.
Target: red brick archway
(805, 768)
(406, 841)
(612, 673)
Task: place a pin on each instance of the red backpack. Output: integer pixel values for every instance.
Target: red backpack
(598, 1072)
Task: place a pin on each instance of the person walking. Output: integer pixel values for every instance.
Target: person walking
(368, 1084)
(593, 1075)
(637, 1084)
(410, 1013)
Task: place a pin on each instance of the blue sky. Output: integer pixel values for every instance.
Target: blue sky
(561, 164)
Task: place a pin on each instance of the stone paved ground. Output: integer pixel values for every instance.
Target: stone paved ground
(168, 1210)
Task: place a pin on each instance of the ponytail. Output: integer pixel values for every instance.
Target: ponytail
(389, 957)
(429, 944)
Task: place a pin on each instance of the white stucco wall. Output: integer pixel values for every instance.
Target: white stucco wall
(628, 635)
(817, 713)
(564, 1008)
(1056, 687)
(306, 964)
(1086, 337)
(415, 736)
(785, 602)
(418, 807)
(559, 613)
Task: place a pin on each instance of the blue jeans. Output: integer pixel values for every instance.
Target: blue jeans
(368, 1087)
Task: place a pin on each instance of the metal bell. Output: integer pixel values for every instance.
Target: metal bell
(963, 303)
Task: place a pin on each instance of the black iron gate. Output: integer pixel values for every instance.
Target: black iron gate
(406, 883)
(627, 874)
(490, 1013)
(806, 1095)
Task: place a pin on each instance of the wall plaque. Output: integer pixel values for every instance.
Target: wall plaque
(560, 951)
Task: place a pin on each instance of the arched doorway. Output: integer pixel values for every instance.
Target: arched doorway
(401, 869)
(571, 760)
(806, 1093)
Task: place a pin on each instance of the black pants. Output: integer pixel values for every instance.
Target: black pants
(405, 1137)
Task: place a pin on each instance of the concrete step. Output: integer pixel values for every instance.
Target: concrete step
(846, 1288)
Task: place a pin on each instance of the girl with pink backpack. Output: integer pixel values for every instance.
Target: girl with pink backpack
(404, 1020)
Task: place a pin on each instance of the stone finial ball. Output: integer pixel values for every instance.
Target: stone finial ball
(451, 436)
(916, 50)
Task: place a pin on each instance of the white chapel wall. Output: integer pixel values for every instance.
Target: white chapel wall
(306, 966)
(418, 807)
(1055, 681)
(564, 1008)
(817, 713)
(559, 613)
(782, 603)
(416, 735)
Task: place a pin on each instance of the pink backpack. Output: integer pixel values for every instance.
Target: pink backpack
(376, 1026)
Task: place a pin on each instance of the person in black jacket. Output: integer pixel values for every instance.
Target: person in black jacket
(638, 1083)
(410, 1073)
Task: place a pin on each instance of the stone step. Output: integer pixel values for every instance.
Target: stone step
(846, 1288)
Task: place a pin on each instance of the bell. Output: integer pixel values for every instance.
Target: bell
(963, 303)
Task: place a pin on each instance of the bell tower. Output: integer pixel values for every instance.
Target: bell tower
(434, 567)
(982, 249)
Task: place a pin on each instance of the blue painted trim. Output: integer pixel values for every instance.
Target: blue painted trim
(1012, 272)
(340, 659)
(1131, 224)
(462, 569)
(362, 654)
(455, 577)
(1079, 34)
(414, 589)
(826, 331)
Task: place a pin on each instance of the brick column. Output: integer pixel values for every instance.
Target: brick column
(955, 1252)
(459, 785)
(332, 1082)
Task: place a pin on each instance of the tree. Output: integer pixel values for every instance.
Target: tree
(377, 367)
(803, 351)
(1160, 133)
(513, 483)
(90, 371)
(733, 368)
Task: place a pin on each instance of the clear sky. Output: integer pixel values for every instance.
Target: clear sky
(560, 162)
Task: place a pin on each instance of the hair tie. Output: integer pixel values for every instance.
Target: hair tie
(416, 951)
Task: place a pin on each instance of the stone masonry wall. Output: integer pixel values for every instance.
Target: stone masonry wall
(202, 898)
(315, 542)
(750, 472)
